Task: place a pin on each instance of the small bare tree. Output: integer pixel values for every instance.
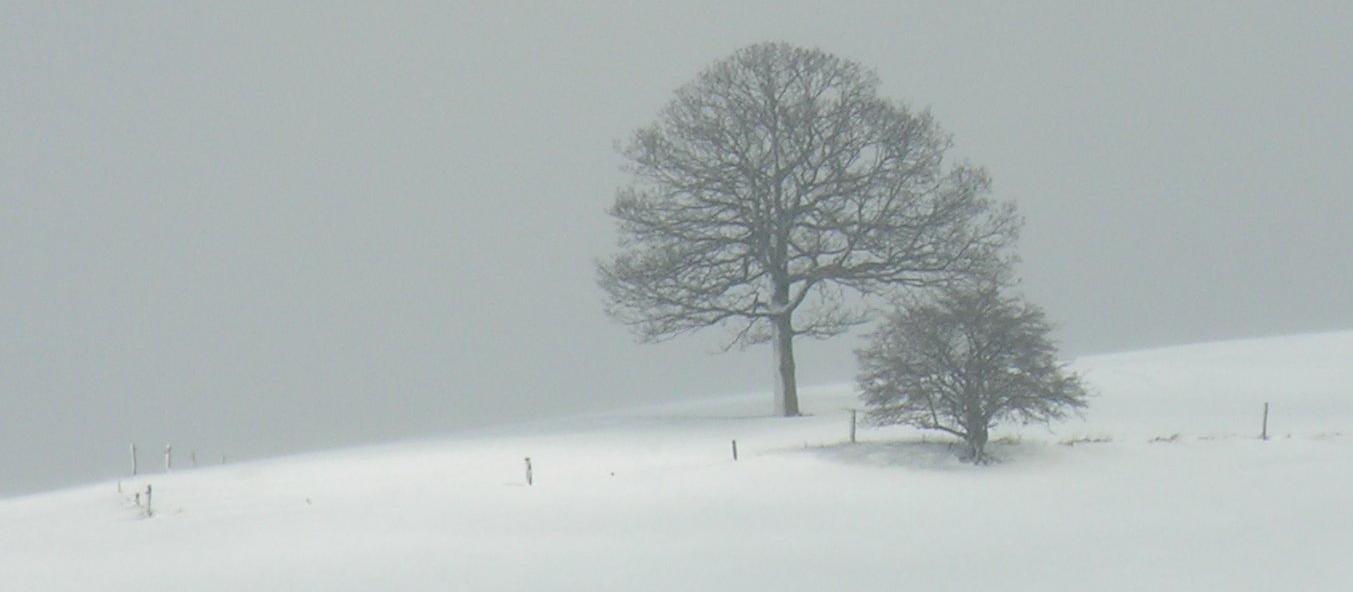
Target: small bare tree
(776, 185)
(962, 362)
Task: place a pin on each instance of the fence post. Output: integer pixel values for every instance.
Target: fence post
(852, 426)
(529, 477)
(735, 450)
(1264, 434)
(133, 459)
(168, 458)
(149, 512)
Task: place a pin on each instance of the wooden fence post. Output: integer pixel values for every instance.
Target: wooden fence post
(1263, 435)
(168, 458)
(735, 450)
(852, 426)
(529, 477)
(149, 512)
(133, 459)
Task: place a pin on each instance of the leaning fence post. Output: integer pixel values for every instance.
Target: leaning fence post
(735, 450)
(1263, 435)
(529, 476)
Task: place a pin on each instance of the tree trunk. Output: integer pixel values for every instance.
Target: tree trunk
(786, 386)
(977, 442)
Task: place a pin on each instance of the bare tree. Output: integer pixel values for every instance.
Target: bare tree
(962, 362)
(774, 187)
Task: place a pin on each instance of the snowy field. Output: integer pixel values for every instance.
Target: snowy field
(1164, 485)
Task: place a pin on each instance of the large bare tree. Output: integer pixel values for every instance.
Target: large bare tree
(776, 187)
(964, 361)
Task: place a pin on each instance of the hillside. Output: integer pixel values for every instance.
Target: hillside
(1163, 485)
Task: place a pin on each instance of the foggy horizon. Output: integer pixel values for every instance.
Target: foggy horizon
(260, 231)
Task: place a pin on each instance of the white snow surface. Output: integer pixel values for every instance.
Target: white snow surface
(651, 499)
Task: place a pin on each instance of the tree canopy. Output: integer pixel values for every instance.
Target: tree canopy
(776, 185)
(962, 362)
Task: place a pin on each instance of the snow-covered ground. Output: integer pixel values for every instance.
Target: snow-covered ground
(652, 500)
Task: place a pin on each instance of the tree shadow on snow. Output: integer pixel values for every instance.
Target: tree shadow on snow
(914, 454)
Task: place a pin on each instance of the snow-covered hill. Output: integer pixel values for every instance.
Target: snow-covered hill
(1164, 485)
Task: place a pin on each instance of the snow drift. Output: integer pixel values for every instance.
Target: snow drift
(1163, 485)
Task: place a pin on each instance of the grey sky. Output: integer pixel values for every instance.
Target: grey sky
(258, 230)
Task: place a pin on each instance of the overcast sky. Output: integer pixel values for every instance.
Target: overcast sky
(262, 230)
